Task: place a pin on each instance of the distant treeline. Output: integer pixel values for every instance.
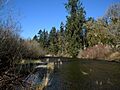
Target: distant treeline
(79, 32)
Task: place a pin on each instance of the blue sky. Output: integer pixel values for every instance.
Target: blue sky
(44, 14)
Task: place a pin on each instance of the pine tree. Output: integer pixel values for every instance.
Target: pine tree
(35, 38)
(74, 24)
(43, 38)
(61, 39)
(53, 40)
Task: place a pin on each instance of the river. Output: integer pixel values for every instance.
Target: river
(86, 75)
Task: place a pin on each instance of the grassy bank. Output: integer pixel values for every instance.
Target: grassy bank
(101, 52)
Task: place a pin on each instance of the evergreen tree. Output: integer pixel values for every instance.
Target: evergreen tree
(40, 36)
(35, 38)
(61, 39)
(74, 24)
(53, 40)
(43, 38)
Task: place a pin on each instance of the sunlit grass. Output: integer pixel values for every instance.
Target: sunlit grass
(30, 61)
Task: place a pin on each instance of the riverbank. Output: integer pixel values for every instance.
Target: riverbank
(52, 75)
(39, 78)
(101, 52)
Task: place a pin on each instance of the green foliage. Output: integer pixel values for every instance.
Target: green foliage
(98, 32)
(61, 40)
(42, 38)
(53, 41)
(79, 33)
(114, 30)
(67, 40)
(35, 38)
(74, 26)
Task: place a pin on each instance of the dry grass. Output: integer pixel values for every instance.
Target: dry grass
(99, 51)
(114, 56)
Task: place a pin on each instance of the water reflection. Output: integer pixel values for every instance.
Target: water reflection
(86, 75)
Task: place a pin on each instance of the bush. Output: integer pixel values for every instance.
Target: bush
(10, 48)
(10, 54)
(99, 51)
(32, 50)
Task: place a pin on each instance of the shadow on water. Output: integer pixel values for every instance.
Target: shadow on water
(86, 75)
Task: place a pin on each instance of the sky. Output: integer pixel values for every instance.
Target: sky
(44, 14)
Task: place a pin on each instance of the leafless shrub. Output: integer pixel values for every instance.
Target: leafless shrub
(32, 49)
(10, 54)
(99, 51)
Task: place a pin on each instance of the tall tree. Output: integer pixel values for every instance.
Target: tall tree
(113, 12)
(40, 38)
(98, 32)
(74, 24)
(61, 39)
(53, 40)
(35, 38)
(113, 18)
(43, 38)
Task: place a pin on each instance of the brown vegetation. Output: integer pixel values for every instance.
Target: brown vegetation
(12, 50)
(32, 50)
(100, 51)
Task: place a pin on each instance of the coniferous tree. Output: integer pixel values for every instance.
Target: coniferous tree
(53, 40)
(61, 39)
(40, 36)
(35, 38)
(74, 24)
(43, 38)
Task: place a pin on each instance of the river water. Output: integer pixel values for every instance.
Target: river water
(86, 75)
